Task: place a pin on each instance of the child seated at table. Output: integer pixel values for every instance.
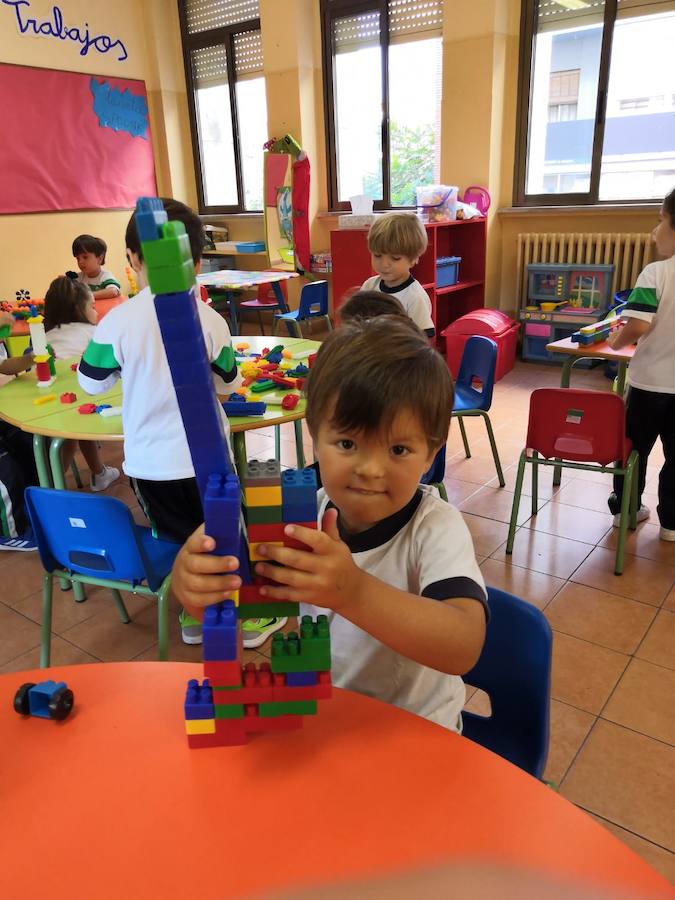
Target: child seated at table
(90, 251)
(393, 565)
(70, 320)
(368, 304)
(396, 241)
(128, 344)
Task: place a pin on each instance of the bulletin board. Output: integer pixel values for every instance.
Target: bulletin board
(72, 141)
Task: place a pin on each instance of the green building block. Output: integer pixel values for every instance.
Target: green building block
(310, 652)
(261, 386)
(171, 279)
(263, 515)
(268, 610)
(230, 711)
(290, 708)
(172, 251)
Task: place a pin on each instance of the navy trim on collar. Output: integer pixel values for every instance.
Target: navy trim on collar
(399, 287)
(382, 532)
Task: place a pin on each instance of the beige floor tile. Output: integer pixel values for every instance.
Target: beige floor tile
(628, 779)
(17, 634)
(568, 729)
(659, 644)
(545, 553)
(583, 494)
(644, 541)
(477, 469)
(20, 575)
(545, 489)
(599, 617)
(669, 602)
(565, 521)
(535, 587)
(65, 611)
(62, 654)
(644, 700)
(496, 503)
(584, 674)
(487, 534)
(105, 636)
(642, 579)
(657, 857)
(459, 490)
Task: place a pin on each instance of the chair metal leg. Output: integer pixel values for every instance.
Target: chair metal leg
(163, 618)
(632, 524)
(625, 508)
(535, 482)
(76, 474)
(516, 503)
(261, 323)
(277, 443)
(41, 461)
(121, 608)
(299, 448)
(329, 324)
(495, 452)
(275, 326)
(46, 627)
(467, 450)
(294, 329)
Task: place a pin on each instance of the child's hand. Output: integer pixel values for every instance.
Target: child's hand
(6, 319)
(325, 574)
(613, 337)
(197, 578)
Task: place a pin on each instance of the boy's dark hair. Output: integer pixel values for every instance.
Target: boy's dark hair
(87, 243)
(65, 301)
(398, 234)
(175, 210)
(369, 304)
(669, 206)
(369, 369)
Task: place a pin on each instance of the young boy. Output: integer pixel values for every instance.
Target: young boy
(650, 405)
(368, 305)
(396, 241)
(90, 251)
(393, 565)
(127, 343)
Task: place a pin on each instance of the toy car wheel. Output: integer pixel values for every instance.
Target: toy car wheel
(61, 704)
(21, 700)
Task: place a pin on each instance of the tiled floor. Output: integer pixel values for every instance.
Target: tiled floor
(613, 708)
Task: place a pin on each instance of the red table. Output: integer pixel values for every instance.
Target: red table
(112, 803)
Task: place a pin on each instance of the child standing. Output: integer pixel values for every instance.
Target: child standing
(90, 251)
(393, 565)
(128, 344)
(650, 405)
(396, 241)
(70, 320)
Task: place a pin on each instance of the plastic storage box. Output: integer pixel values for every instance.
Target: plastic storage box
(490, 323)
(447, 270)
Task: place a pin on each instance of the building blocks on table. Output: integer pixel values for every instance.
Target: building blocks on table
(290, 707)
(243, 408)
(87, 409)
(220, 632)
(290, 401)
(68, 397)
(223, 672)
(265, 495)
(222, 513)
(110, 412)
(102, 407)
(46, 700)
(200, 726)
(262, 515)
(302, 679)
(47, 398)
(199, 700)
(308, 652)
(260, 386)
(273, 531)
(599, 331)
(269, 609)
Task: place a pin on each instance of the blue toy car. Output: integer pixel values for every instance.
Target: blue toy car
(48, 700)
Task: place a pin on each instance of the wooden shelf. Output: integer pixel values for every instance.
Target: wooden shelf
(460, 286)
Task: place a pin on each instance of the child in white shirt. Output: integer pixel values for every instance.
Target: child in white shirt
(90, 251)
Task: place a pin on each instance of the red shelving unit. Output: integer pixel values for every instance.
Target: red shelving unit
(351, 267)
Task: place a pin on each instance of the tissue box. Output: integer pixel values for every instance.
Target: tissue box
(351, 221)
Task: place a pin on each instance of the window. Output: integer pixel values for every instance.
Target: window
(222, 49)
(594, 121)
(382, 80)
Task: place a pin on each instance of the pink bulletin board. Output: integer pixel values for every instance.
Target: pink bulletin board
(72, 141)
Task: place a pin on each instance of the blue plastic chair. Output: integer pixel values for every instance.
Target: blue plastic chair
(92, 539)
(473, 390)
(514, 670)
(313, 305)
(436, 474)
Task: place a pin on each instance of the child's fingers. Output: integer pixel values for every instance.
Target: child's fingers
(293, 595)
(282, 575)
(302, 560)
(206, 564)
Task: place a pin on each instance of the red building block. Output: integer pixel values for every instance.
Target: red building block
(263, 532)
(254, 723)
(321, 691)
(68, 397)
(223, 674)
(290, 401)
(294, 542)
(87, 409)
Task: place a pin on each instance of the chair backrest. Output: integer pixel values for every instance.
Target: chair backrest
(477, 370)
(581, 426)
(267, 294)
(514, 670)
(313, 300)
(436, 473)
(90, 535)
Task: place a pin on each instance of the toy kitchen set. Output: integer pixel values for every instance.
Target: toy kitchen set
(561, 299)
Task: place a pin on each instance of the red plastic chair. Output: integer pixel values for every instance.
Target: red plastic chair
(579, 430)
(267, 300)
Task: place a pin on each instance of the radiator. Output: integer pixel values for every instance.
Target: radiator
(628, 253)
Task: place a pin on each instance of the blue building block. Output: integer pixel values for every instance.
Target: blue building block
(298, 512)
(222, 513)
(199, 700)
(298, 486)
(150, 214)
(102, 406)
(243, 408)
(302, 679)
(220, 632)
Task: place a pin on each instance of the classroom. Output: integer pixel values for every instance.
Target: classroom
(358, 197)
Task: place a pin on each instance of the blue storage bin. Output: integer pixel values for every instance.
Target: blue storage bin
(249, 246)
(447, 270)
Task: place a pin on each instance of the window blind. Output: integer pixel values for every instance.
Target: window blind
(556, 15)
(203, 15)
(408, 20)
(248, 54)
(209, 66)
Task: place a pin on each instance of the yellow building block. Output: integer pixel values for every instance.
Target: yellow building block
(270, 495)
(200, 726)
(40, 400)
(254, 556)
(42, 358)
(234, 597)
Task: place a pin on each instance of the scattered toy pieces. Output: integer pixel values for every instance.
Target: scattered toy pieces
(109, 411)
(290, 401)
(68, 397)
(46, 399)
(87, 409)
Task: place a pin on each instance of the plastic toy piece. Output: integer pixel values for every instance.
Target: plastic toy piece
(230, 711)
(243, 408)
(222, 511)
(101, 407)
(110, 412)
(73, 367)
(199, 700)
(46, 399)
(38, 337)
(266, 385)
(87, 409)
(269, 609)
(262, 473)
(44, 376)
(243, 345)
(68, 397)
(262, 515)
(253, 549)
(47, 700)
(223, 673)
(200, 726)
(273, 532)
(220, 633)
(290, 401)
(280, 381)
(308, 653)
(253, 722)
(310, 359)
(267, 495)
(302, 679)
(290, 707)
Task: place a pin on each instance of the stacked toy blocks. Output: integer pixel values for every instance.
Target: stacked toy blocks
(599, 331)
(233, 701)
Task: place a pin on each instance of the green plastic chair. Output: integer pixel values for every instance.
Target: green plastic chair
(579, 430)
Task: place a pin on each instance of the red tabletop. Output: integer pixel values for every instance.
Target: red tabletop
(20, 326)
(601, 350)
(112, 803)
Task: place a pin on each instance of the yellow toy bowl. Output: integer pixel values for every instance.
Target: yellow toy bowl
(549, 307)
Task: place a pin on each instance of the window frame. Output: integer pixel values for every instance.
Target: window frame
(200, 41)
(528, 24)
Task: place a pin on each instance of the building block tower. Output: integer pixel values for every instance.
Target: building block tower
(43, 359)
(233, 701)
